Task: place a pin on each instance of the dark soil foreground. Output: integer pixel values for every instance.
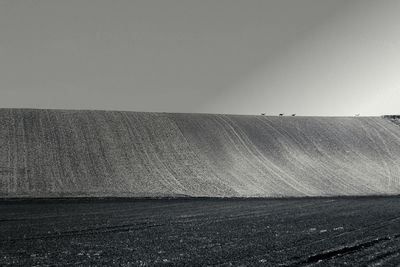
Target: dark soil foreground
(198, 232)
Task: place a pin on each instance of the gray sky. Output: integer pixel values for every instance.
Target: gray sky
(310, 57)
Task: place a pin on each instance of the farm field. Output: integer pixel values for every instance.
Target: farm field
(201, 231)
(83, 153)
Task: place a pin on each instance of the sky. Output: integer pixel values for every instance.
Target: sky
(309, 57)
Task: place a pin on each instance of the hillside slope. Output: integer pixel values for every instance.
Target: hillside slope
(111, 153)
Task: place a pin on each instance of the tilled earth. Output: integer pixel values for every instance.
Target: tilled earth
(198, 232)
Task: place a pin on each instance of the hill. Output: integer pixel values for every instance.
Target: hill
(56, 153)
